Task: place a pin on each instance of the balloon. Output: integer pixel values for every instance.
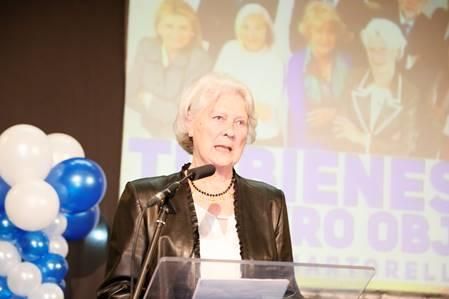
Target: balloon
(62, 284)
(53, 267)
(4, 188)
(58, 245)
(57, 227)
(64, 147)
(33, 245)
(8, 231)
(9, 257)
(23, 278)
(80, 224)
(89, 254)
(25, 154)
(80, 184)
(32, 205)
(5, 292)
(47, 291)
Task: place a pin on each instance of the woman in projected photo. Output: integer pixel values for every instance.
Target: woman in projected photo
(222, 216)
(380, 104)
(251, 58)
(165, 65)
(315, 78)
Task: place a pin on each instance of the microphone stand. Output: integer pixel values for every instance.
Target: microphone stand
(165, 209)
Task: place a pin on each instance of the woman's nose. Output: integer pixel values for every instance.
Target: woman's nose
(229, 130)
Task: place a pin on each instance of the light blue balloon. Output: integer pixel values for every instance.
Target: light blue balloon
(79, 182)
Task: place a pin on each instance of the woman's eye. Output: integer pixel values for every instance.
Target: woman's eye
(241, 123)
(218, 117)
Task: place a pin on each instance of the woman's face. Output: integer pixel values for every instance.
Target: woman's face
(379, 55)
(322, 40)
(219, 132)
(253, 32)
(175, 31)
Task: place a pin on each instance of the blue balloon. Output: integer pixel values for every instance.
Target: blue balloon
(5, 292)
(8, 231)
(79, 182)
(33, 245)
(4, 188)
(53, 267)
(80, 224)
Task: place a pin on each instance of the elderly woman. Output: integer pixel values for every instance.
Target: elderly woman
(223, 216)
(381, 104)
(252, 59)
(315, 78)
(165, 65)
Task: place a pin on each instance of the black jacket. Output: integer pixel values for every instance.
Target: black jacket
(262, 228)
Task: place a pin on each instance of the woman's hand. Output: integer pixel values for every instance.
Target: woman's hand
(345, 129)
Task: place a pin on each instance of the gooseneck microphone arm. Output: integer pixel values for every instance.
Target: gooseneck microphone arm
(165, 207)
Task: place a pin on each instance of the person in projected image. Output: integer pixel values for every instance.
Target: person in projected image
(422, 56)
(252, 59)
(165, 65)
(355, 15)
(315, 78)
(223, 216)
(217, 19)
(435, 139)
(379, 115)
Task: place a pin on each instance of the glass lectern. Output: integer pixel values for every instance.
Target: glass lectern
(223, 279)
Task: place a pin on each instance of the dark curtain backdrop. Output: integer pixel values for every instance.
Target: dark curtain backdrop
(62, 69)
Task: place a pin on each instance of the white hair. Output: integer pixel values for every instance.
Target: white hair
(388, 31)
(254, 9)
(203, 92)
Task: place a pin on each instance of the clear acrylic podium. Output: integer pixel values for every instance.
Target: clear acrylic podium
(223, 279)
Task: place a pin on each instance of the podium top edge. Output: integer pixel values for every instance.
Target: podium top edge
(271, 263)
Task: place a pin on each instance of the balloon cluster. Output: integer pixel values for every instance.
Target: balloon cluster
(49, 193)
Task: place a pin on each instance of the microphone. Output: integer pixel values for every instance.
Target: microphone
(201, 172)
(192, 174)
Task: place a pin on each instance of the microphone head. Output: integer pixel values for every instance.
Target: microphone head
(201, 172)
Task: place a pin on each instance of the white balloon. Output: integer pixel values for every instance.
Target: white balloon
(57, 227)
(9, 257)
(25, 154)
(64, 147)
(47, 291)
(32, 205)
(58, 245)
(24, 278)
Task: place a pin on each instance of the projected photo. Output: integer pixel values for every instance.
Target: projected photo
(352, 101)
(329, 80)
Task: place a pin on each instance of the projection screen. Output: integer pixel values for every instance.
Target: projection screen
(352, 112)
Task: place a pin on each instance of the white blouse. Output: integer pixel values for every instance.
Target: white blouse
(218, 240)
(218, 236)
